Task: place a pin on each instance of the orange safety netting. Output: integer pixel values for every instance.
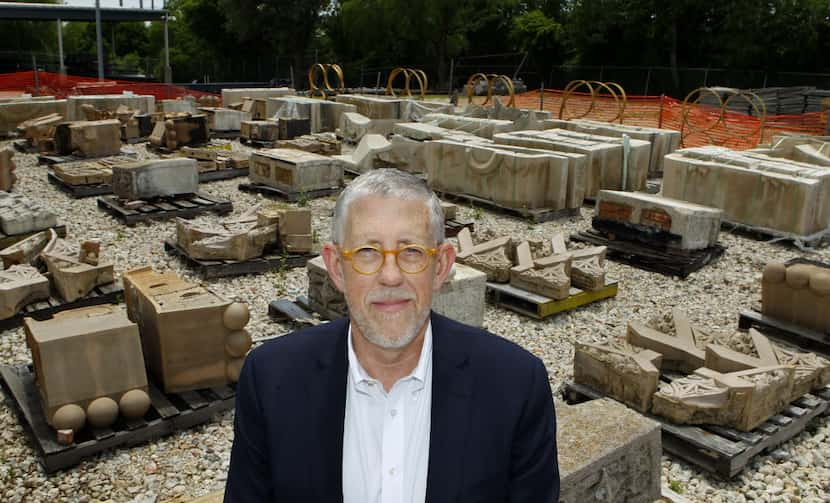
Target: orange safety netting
(703, 125)
(61, 86)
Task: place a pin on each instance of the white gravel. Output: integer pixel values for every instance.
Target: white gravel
(194, 462)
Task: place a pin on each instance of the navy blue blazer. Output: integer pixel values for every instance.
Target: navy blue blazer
(492, 431)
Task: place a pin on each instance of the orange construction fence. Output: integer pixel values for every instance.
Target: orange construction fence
(700, 124)
(59, 85)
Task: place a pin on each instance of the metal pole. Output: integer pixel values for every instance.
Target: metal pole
(648, 79)
(62, 70)
(34, 71)
(452, 68)
(168, 72)
(377, 83)
(542, 96)
(99, 40)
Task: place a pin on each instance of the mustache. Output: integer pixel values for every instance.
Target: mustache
(390, 295)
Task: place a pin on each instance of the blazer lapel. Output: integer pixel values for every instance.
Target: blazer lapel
(327, 395)
(450, 419)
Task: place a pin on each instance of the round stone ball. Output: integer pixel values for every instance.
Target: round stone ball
(102, 412)
(69, 417)
(236, 316)
(237, 343)
(134, 403)
(820, 283)
(798, 276)
(233, 368)
(775, 272)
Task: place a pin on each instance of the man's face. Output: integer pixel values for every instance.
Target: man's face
(390, 307)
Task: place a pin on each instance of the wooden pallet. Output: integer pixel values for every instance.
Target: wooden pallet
(817, 240)
(7, 240)
(50, 159)
(453, 227)
(168, 413)
(541, 307)
(164, 208)
(535, 215)
(222, 174)
(724, 451)
(786, 332)
(288, 196)
(652, 257)
(208, 269)
(100, 189)
(111, 293)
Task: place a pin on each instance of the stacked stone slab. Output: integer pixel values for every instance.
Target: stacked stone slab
(295, 170)
(485, 128)
(109, 102)
(623, 466)
(751, 188)
(224, 119)
(21, 215)
(324, 116)
(14, 112)
(408, 140)
(676, 223)
(231, 96)
(460, 298)
(605, 156)
(512, 179)
(89, 138)
(155, 178)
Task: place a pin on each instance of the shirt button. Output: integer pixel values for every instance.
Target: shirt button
(393, 412)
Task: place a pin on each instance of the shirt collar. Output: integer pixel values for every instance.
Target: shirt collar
(358, 373)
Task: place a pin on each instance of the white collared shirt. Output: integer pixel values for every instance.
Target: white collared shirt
(386, 435)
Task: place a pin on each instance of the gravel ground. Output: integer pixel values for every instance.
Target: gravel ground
(194, 462)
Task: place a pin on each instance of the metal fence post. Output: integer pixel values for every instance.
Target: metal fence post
(660, 117)
(542, 96)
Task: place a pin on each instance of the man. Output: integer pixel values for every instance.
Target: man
(394, 404)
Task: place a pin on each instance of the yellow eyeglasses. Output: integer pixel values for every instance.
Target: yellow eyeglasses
(369, 259)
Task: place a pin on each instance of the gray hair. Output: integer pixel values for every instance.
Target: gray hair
(391, 183)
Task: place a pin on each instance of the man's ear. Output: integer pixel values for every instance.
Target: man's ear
(334, 265)
(444, 260)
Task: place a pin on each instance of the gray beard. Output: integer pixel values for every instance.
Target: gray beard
(375, 335)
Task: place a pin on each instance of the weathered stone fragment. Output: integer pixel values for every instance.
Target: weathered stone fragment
(548, 276)
(21, 285)
(89, 172)
(110, 102)
(237, 95)
(324, 116)
(363, 157)
(485, 128)
(798, 293)
(679, 352)
(259, 130)
(155, 178)
(192, 337)
(494, 258)
(26, 251)
(12, 113)
(40, 131)
(178, 130)
(354, 126)
(587, 264)
(7, 167)
(624, 466)
(223, 119)
(316, 143)
(294, 170)
(209, 240)
(88, 138)
(687, 226)
(254, 108)
(75, 272)
(86, 358)
(21, 215)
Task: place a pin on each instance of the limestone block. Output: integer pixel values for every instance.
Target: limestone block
(75, 271)
(460, 298)
(176, 105)
(259, 130)
(588, 268)
(224, 119)
(316, 143)
(624, 466)
(40, 131)
(548, 276)
(89, 138)
(450, 210)
(485, 128)
(192, 337)
(373, 107)
(494, 257)
(89, 172)
(741, 400)
(363, 157)
(679, 352)
(145, 104)
(21, 215)
(21, 285)
(7, 167)
(798, 293)
(324, 116)
(689, 226)
(294, 221)
(354, 126)
(605, 156)
(291, 127)
(26, 251)
(178, 130)
(155, 178)
(230, 96)
(206, 239)
(83, 355)
(751, 188)
(294, 170)
(297, 243)
(254, 108)
(620, 370)
(509, 179)
(14, 112)
(663, 141)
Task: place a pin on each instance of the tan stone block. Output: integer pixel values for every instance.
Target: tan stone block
(21, 285)
(89, 138)
(294, 170)
(7, 167)
(73, 274)
(297, 243)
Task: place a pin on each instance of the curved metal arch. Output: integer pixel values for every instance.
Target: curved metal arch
(324, 69)
(593, 86)
(687, 128)
(408, 73)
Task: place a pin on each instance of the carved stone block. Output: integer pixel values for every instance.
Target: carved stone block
(192, 338)
(145, 104)
(7, 167)
(548, 276)
(177, 130)
(624, 466)
(259, 130)
(21, 285)
(88, 138)
(75, 272)
(687, 226)
(494, 257)
(798, 293)
(679, 352)
(317, 143)
(26, 251)
(21, 215)
(89, 367)
(155, 178)
(587, 270)
(323, 116)
(485, 128)
(211, 240)
(363, 157)
(295, 170)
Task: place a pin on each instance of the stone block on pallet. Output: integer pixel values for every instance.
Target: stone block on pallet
(155, 178)
(21, 215)
(89, 138)
(295, 170)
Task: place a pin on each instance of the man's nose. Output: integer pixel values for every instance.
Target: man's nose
(390, 273)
